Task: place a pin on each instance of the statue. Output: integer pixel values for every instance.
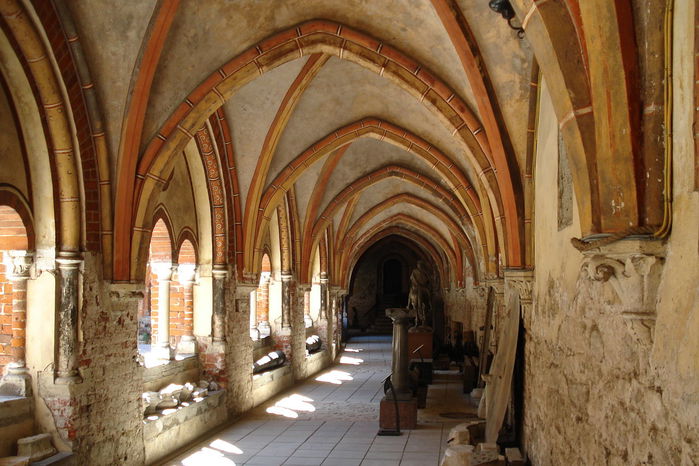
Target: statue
(419, 297)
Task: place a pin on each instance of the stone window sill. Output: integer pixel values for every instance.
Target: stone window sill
(263, 378)
(151, 359)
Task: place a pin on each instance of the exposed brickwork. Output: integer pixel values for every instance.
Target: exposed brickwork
(5, 316)
(101, 417)
(90, 177)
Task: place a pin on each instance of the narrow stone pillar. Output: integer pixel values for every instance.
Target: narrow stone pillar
(307, 319)
(399, 368)
(186, 274)
(286, 299)
(67, 319)
(298, 332)
(263, 308)
(239, 371)
(218, 317)
(164, 271)
(323, 313)
(17, 374)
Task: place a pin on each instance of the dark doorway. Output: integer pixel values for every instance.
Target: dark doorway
(392, 277)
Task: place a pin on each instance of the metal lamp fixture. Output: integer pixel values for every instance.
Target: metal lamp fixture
(504, 8)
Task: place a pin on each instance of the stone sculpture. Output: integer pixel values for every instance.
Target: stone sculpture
(419, 297)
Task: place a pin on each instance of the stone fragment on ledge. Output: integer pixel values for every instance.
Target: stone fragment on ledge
(36, 447)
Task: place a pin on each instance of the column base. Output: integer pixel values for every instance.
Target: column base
(407, 412)
(264, 329)
(17, 382)
(187, 345)
(165, 352)
(307, 321)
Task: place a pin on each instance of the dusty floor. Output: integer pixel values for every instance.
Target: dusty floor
(332, 419)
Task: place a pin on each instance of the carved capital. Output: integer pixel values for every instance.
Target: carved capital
(633, 269)
(21, 262)
(520, 281)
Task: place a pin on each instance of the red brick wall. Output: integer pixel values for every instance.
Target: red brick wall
(13, 235)
(5, 316)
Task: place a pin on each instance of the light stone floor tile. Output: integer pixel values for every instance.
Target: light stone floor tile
(341, 462)
(265, 461)
(380, 463)
(341, 430)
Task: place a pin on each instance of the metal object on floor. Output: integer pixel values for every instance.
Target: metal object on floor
(390, 432)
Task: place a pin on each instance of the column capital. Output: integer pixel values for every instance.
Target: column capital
(22, 262)
(243, 290)
(633, 268)
(287, 276)
(163, 270)
(520, 281)
(126, 291)
(186, 272)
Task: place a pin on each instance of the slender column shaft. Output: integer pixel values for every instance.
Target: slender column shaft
(399, 374)
(286, 300)
(186, 274)
(308, 321)
(218, 323)
(164, 272)
(21, 263)
(323, 313)
(263, 308)
(67, 319)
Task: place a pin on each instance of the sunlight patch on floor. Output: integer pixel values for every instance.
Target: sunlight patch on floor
(335, 377)
(291, 405)
(208, 457)
(351, 360)
(225, 446)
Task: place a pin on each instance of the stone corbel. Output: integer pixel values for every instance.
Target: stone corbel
(633, 269)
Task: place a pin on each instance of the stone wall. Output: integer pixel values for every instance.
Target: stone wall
(611, 368)
(100, 418)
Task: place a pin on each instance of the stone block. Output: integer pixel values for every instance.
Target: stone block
(514, 457)
(407, 412)
(59, 459)
(458, 455)
(415, 339)
(14, 461)
(36, 447)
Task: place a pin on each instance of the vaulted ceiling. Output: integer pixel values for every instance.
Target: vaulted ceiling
(411, 116)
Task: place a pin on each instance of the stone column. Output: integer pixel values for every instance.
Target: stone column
(17, 374)
(240, 351)
(305, 292)
(323, 314)
(263, 308)
(286, 299)
(298, 332)
(399, 376)
(67, 319)
(186, 274)
(218, 316)
(164, 271)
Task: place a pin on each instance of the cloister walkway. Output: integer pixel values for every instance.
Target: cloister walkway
(332, 419)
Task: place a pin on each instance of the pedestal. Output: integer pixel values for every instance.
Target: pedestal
(417, 338)
(407, 411)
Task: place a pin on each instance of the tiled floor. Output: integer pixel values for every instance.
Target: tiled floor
(332, 419)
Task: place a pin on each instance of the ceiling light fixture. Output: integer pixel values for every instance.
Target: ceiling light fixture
(504, 8)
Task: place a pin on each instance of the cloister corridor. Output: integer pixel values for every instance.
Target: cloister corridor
(332, 419)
